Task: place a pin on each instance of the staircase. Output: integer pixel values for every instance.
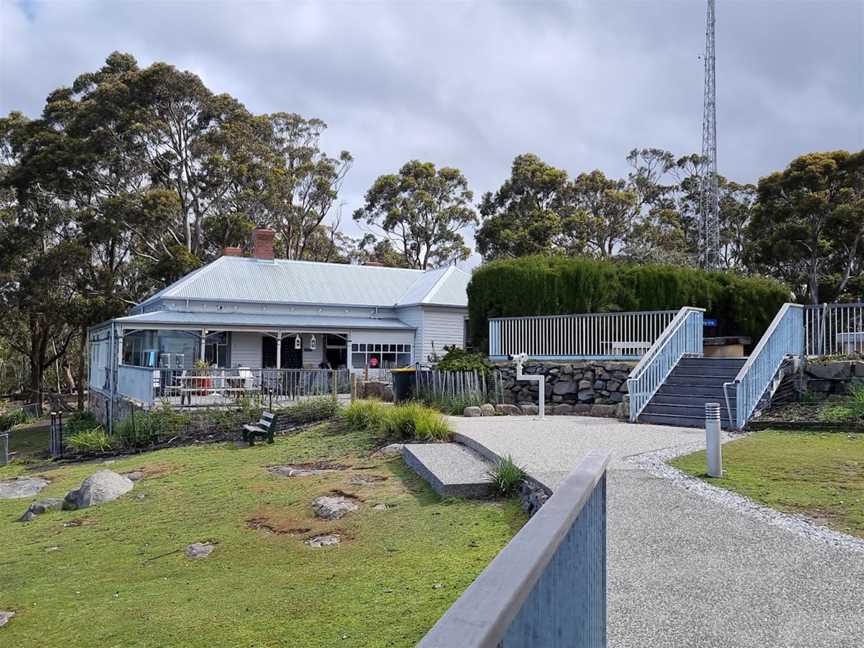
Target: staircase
(693, 382)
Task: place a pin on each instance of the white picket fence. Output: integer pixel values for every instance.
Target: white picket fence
(463, 385)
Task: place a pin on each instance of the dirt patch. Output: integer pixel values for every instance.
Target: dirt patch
(149, 472)
(306, 469)
(367, 480)
(340, 493)
(279, 527)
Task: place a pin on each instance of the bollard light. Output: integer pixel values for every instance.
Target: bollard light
(712, 439)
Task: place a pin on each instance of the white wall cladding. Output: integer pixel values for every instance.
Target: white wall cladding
(413, 316)
(443, 327)
(246, 349)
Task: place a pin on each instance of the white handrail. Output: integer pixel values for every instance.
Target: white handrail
(683, 336)
(784, 337)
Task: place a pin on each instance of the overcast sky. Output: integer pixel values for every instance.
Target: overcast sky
(473, 84)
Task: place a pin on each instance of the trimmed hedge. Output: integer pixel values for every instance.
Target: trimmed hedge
(558, 285)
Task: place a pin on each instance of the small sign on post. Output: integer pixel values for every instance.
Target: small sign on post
(4, 448)
(712, 440)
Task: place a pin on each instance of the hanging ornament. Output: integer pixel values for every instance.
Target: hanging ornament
(298, 342)
(313, 343)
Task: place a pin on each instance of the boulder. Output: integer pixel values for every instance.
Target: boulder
(198, 550)
(599, 384)
(529, 409)
(100, 487)
(40, 507)
(325, 540)
(387, 394)
(613, 385)
(21, 487)
(564, 387)
(605, 411)
(487, 409)
(5, 617)
(581, 409)
(507, 409)
(624, 388)
(615, 397)
(562, 410)
(585, 396)
(472, 411)
(333, 507)
(830, 370)
(390, 450)
(585, 384)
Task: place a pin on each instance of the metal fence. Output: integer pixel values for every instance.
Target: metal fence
(621, 336)
(784, 338)
(467, 387)
(683, 337)
(834, 329)
(547, 587)
(214, 387)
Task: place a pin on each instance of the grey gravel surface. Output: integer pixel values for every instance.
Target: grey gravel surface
(685, 569)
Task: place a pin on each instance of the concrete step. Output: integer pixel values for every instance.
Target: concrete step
(681, 409)
(450, 468)
(699, 400)
(698, 380)
(679, 421)
(725, 363)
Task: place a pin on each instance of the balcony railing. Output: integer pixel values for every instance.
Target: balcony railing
(192, 387)
(834, 329)
(547, 587)
(610, 336)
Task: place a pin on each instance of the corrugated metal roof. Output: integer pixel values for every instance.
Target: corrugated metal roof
(267, 321)
(306, 282)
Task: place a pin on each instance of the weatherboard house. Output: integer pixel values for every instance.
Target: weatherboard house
(249, 313)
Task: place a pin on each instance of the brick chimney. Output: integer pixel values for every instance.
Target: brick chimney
(232, 251)
(262, 242)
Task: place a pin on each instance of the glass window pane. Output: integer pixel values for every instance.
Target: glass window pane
(358, 360)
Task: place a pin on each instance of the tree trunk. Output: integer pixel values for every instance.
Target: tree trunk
(36, 383)
(82, 369)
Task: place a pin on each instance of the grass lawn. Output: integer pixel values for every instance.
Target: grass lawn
(816, 474)
(29, 440)
(117, 575)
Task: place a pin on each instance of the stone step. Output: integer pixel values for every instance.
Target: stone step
(450, 468)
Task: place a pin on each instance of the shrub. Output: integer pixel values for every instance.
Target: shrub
(13, 418)
(507, 477)
(559, 285)
(850, 408)
(450, 404)
(142, 429)
(78, 422)
(414, 421)
(364, 414)
(310, 410)
(92, 440)
(458, 359)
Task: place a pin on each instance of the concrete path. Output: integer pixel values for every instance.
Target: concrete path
(683, 570)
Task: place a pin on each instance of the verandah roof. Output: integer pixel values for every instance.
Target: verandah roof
(256, 322)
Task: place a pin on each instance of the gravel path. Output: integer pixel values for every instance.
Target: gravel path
(688, 568)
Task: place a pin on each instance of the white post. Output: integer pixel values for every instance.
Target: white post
(539, 379)
(712, 439)
(203, 351)
(279, 350)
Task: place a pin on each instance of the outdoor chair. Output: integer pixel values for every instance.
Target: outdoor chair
(264, 428)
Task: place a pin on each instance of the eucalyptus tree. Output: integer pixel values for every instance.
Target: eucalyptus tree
(422, 211)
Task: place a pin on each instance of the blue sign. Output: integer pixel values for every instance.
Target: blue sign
(709, 322)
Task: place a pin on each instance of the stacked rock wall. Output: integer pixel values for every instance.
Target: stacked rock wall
(592, 382)
(828, 378)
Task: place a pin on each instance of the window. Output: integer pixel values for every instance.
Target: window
(380, 356)
(217, 349)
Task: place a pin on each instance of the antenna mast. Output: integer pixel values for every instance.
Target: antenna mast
(710, 195)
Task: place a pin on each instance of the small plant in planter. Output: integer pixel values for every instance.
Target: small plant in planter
(205, 382)
(507, 477)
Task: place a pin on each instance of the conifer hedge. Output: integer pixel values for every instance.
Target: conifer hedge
(558, 285)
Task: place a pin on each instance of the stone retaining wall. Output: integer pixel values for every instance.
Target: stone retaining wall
(823, 379)
(575, 383)
(98, 406)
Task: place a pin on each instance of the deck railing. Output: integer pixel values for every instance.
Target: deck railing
(834, 329)
(622, 336)
(192, 387)
(682, 337)
(784, 338)
(547, 587)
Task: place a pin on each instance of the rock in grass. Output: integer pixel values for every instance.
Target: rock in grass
(326, 540)
(472, 411)
(487, 409)
(390, 450)
(22, 487)
(198, 550)
(333, 507)
(100, 487)
(507, 409)
(40, 507)
(5, 617)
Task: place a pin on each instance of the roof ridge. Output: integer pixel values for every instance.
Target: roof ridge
(327, 263)
(437, 285)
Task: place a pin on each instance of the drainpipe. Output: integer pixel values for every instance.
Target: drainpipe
(538, 378)
(111, 386)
